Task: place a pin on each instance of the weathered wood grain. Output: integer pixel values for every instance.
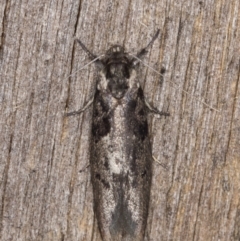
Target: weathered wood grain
(45, 186)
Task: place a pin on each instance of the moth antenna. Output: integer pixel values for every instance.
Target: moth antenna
(94, 60)
(184, 91)
(144, 51)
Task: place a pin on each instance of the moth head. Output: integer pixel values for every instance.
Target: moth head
(116, 54)
(117, 67)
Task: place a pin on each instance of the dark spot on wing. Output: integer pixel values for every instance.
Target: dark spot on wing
(106, 164)
(140, 93)
(101, 118)
(137, 116)
(143, 130)
(132, 105)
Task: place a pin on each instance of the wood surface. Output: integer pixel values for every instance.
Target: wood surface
(45, 188)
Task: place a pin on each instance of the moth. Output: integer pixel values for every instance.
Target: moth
(120, 148)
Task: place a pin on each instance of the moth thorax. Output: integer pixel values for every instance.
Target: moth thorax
(117, 87)
(119, 70)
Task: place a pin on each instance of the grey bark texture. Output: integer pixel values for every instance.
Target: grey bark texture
(45, 188)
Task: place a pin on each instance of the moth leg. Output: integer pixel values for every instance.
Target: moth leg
(82, 109)
(155, 110)
(143, 51)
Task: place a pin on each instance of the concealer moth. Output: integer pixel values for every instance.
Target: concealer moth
(120, 148)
